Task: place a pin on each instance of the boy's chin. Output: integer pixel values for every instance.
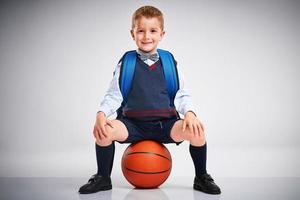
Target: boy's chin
(148, 50)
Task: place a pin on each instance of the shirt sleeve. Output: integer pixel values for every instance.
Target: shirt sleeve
(183, 101)
(113, 98)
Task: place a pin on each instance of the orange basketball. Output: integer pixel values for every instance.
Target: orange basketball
(146, 164)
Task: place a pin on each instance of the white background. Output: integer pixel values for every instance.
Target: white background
(241, 60)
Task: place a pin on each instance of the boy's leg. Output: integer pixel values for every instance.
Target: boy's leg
(198, 146)
(105, 148)
(105, 151)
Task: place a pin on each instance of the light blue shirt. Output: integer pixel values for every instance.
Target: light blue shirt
(113, 97)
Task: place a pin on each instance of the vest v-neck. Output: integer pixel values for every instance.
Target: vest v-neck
(148, 67)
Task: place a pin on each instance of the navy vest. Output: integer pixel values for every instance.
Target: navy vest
(148, 98)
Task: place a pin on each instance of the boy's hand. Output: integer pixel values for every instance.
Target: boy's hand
(99, 128)
(193, 123)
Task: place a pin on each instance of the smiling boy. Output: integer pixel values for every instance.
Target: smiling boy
(148, 112)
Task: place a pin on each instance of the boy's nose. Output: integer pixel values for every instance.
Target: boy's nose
(147, 35)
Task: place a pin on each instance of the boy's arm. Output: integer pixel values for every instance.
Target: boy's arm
(183, 101)
(113, 97)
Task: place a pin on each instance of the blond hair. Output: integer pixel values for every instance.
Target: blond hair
(148, 12)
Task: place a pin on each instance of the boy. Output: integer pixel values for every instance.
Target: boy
(148, 112)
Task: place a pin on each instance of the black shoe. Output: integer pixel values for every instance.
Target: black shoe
(205, 183)
(95, 184)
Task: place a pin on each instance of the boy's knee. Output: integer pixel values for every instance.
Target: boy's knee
(109, 131)
(104, 142)
(197, 140)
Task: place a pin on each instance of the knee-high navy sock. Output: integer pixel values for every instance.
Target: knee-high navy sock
(105, 159)
(198, 155)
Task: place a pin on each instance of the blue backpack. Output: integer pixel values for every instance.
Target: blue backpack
(128, 68)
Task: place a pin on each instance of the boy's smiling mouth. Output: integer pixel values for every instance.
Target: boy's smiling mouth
(146, 42)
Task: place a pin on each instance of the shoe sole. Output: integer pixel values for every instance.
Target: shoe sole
(109, 187)
(197, 187)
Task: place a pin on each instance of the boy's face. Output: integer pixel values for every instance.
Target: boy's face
(147, 34)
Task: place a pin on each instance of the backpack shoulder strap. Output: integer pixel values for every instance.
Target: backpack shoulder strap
(170, 71)
(127, 72)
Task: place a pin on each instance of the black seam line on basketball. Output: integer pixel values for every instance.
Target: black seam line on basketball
(149, 153)
(147, 172)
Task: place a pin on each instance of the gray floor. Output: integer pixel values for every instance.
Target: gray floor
(232, 188)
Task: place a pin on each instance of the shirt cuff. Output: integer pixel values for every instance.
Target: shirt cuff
(189, 108)
(191, 112)
(105, 111)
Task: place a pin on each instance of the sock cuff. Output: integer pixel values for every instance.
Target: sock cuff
(112, 145)
(197, 147)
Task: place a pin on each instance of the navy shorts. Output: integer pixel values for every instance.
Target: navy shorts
(158, 130)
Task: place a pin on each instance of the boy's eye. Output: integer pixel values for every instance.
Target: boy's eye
(153, 30)
(140, 31)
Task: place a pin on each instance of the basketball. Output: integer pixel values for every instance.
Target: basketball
(146, 164)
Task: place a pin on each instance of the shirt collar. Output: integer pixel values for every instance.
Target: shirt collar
(139, 52)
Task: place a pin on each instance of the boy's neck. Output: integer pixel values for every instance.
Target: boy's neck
(144, 52)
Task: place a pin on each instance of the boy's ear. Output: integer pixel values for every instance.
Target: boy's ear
(132, 35)
(162, 35)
